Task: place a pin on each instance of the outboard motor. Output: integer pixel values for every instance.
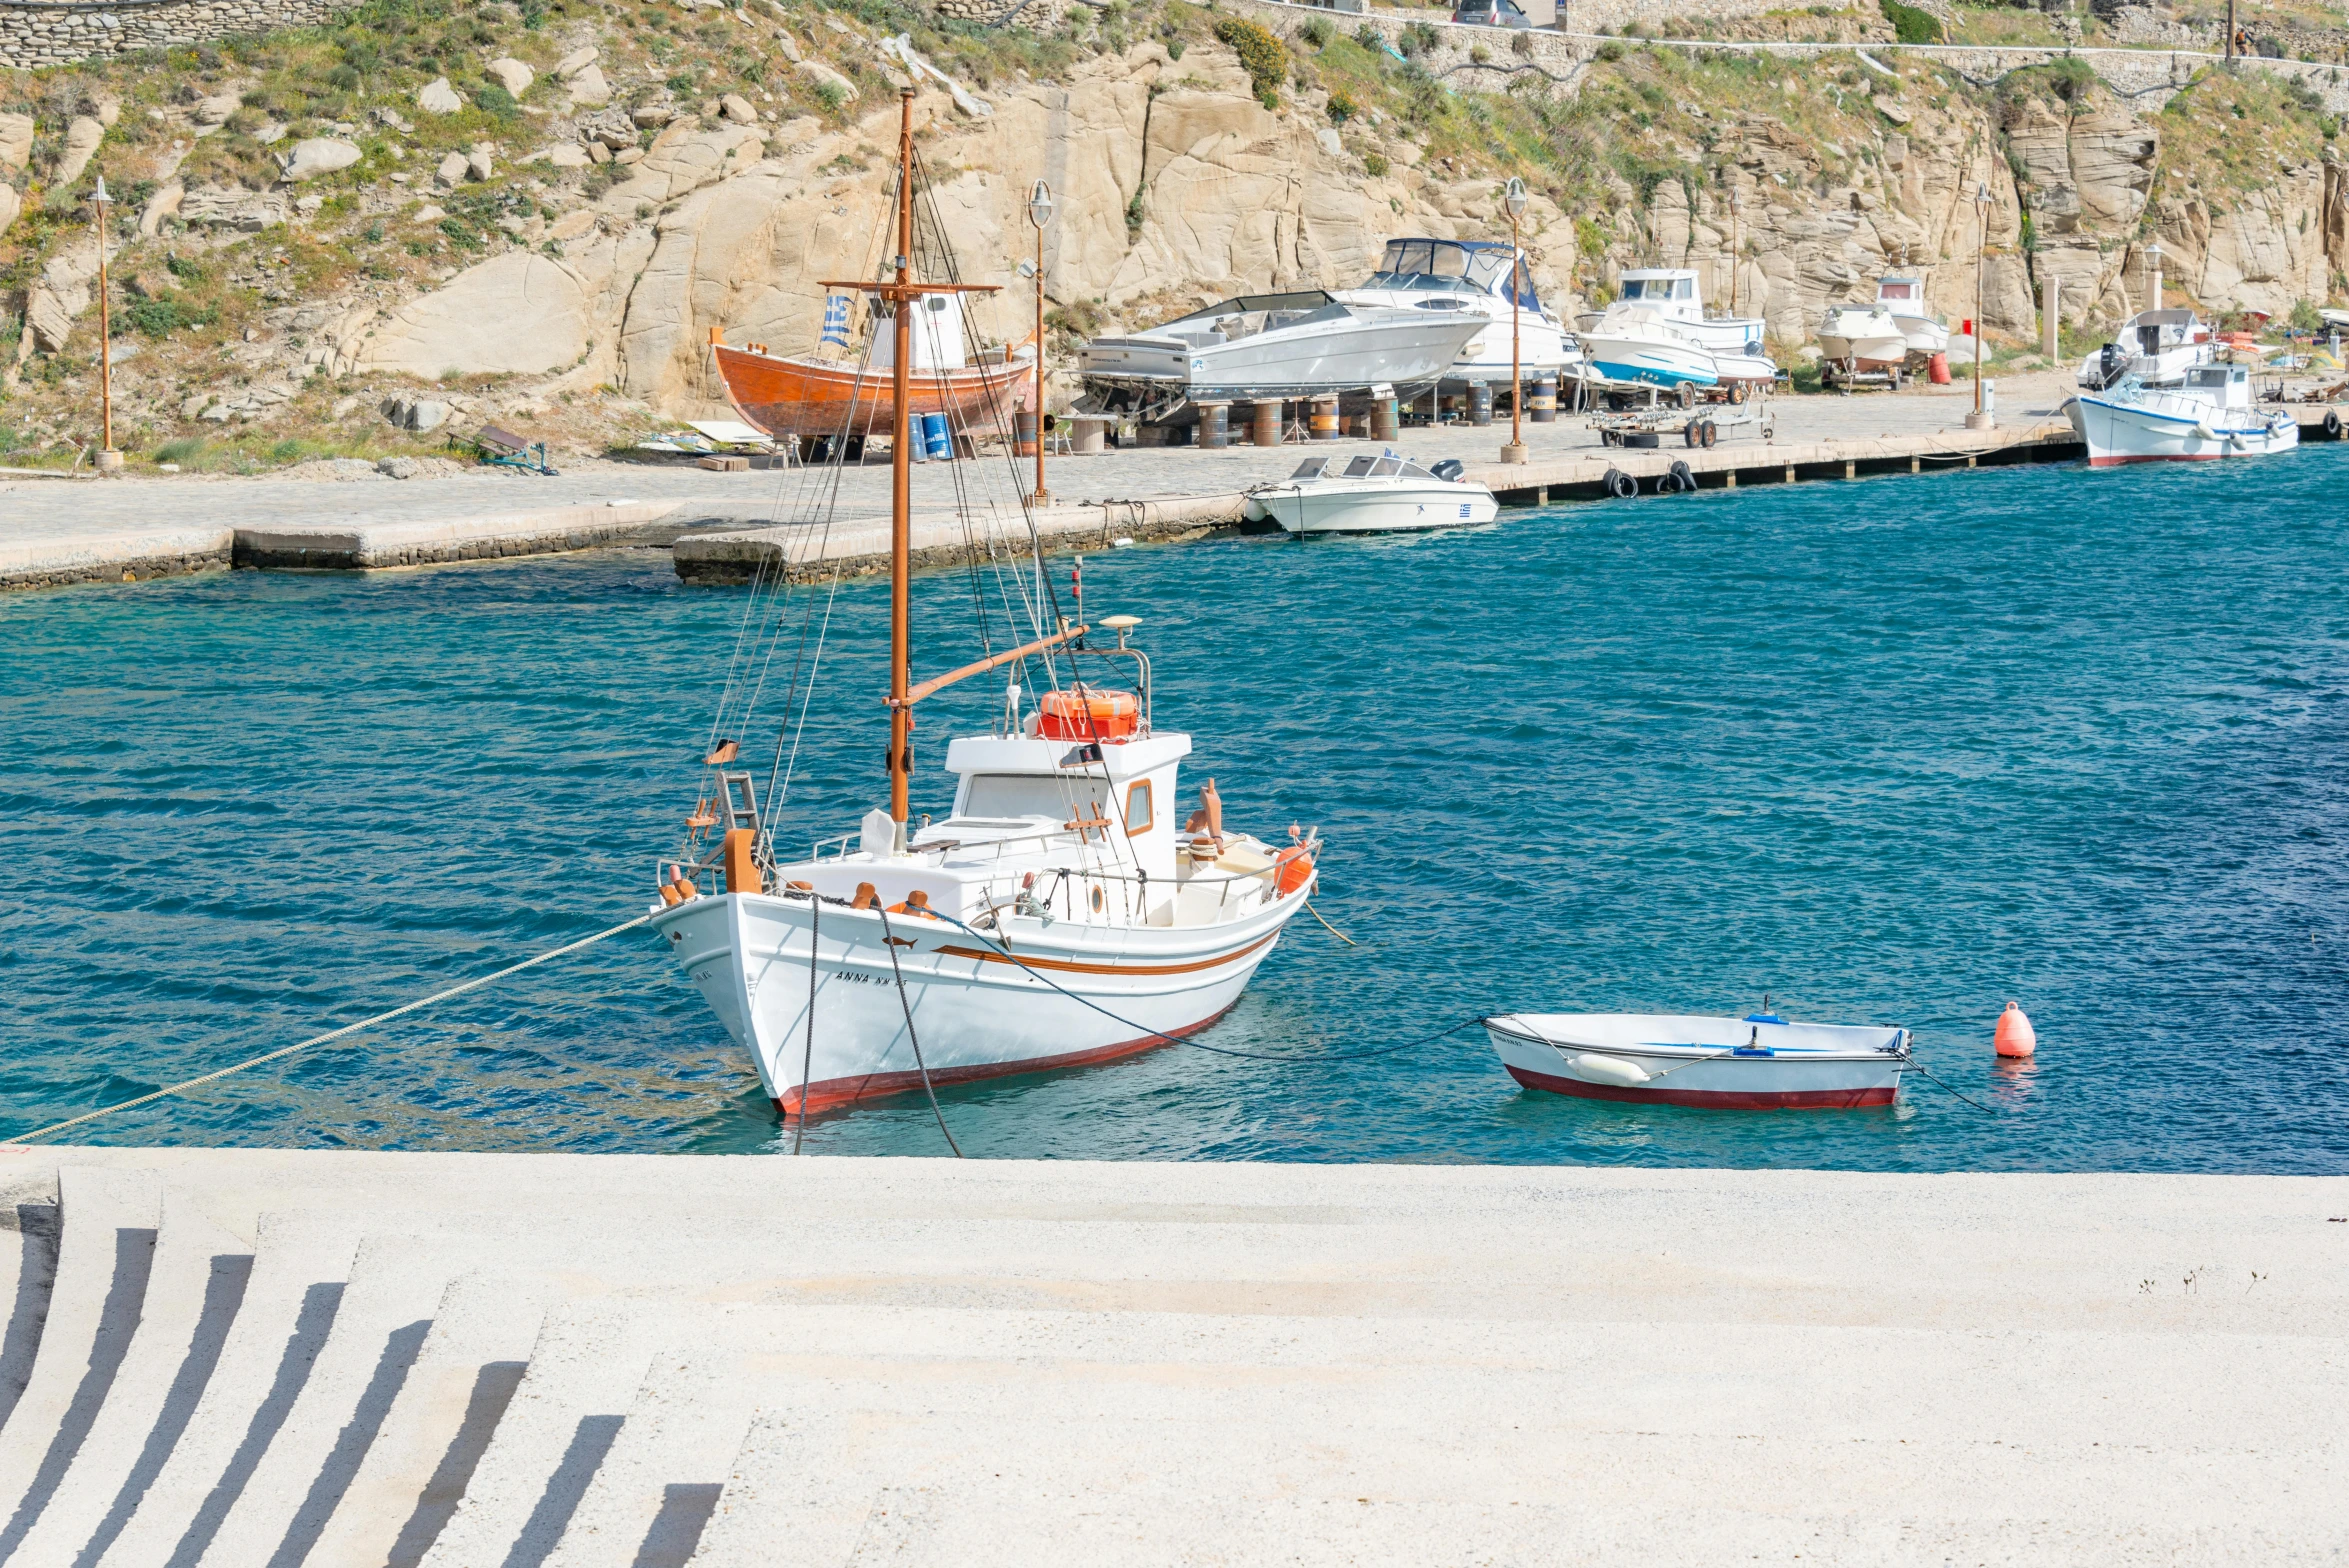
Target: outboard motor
(2110, 360)
(1449, 470)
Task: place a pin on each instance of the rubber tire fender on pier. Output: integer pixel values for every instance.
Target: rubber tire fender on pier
(1619, 484)
(2333, 424)
(1682, 479)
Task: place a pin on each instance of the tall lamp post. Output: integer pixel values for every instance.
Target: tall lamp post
(1039, 214)
(1514, 200)
(1979, 419)
(109, 460)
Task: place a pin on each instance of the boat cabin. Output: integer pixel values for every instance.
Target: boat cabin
(1453, 267)
(2228, 386)
(1230, 320)
(2149, 332)
(938, 339)
(1387, 465)
(1661, 286)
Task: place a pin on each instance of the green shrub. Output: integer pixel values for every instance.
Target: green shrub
(1370, 38)
(1418, 39)
(1374, 164)
(2304, 317)
(165, 314)
(494, 99)
(1175, 48)
(1315, 32)
(1342, 106)
(1911, 25)
(1261, 56)
(179, 451)
(1610, 51)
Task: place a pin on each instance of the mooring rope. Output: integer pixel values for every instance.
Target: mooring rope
(890, 942)
(333, 1034)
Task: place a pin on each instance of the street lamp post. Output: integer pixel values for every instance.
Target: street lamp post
(109, 460)
(1514, 200)
(1040, 213)
(1980, 419)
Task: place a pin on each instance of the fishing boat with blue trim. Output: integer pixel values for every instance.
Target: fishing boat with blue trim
(2211, 415)
(1758, 1062)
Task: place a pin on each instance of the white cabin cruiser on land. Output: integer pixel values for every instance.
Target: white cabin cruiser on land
(2210, 414)
(1758, 1062)
(1474, 277)
(1862, 338)
(1904, 300)
(2157, 347)
(1735, 342)
(1302, 344)
(1372, 495)
(1064, 912)
(1638, 343)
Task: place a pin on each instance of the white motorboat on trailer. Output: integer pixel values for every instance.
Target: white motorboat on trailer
(1471, 276)
(1061, 914)
(1863, 337)
(2210, 415)
(1638, 343)
(1386, 494)
(1735, 342)
(1757, 1062)
(2157, 347)
(1307, 343)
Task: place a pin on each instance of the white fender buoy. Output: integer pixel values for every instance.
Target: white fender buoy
(2014, 1035)
(1594, 1068)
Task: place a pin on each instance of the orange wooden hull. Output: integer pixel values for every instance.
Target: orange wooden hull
(787, 397)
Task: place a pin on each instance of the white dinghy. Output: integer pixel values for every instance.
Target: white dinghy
(1387, 494)
(1758, 1062)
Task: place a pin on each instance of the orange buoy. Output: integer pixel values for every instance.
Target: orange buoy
(2015, 1036)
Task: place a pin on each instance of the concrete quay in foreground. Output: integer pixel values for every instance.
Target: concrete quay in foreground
(246, 1356)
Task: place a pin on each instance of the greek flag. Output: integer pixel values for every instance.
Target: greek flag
(836, 320)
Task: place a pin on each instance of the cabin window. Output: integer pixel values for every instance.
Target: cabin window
(1632, 288)
(1897, 291)
(1138, 809)
(1684, 288)
(1017, 795)
(1360, 467)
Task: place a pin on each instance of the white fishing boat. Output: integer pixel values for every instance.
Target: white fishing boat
(2209, 415)
(1757, 1062)
(1904, 298)
(1638, 344)
(1735, 342)
(1862, 337)
(2154, 347)
(1063, 912)
(1386, 494)
(1472, 278)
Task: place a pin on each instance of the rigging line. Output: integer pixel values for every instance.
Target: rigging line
(1176, 1039)
(334, 1034)
(1326, 926)
(1969, 1099)
(807, 1061)
(890, 942)
(791, 769)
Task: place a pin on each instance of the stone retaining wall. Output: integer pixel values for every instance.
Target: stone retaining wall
(35, 33)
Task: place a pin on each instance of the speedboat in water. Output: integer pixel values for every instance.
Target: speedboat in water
(1474, 277)
(2209, 414)
(1863, 337)
(2157, 347)
(1757, 1062)
(1387, 494)
(1308, 343)
(1735, 342)
(1904, 298)
(1062, 912)
(1638, 342)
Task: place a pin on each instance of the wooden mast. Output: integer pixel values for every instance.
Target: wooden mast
(905, 296)
(901, 486)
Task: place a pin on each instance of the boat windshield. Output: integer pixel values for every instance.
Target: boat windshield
(1360, 468)
(1453, 266)
(1658, 289)
(1311, 468)
(1896, 289)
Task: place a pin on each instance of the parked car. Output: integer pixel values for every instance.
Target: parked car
(1491, 13)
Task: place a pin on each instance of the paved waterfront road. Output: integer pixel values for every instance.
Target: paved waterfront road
(46, 511)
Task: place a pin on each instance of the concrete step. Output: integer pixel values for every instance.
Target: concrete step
(422, 1461)
(105, 1250)
(194, 1287)
(300, 1267)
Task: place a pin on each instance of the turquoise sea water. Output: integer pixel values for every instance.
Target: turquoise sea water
(1890, 751)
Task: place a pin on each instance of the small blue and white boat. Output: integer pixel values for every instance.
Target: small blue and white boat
(1641, 344)
(1758, 1062)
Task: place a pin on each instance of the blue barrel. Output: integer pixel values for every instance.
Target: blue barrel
(935, 438)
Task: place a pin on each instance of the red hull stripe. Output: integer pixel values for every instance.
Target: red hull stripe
(2166, 457)
(831, 1094)
(1716, 1099)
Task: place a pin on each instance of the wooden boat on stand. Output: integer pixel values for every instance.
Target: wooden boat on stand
(1062, 913)
(790, 396)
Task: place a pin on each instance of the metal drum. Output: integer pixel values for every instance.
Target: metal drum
(1542, 407)
(1325, 419)
(1215, 425)
(937, 439)
(1480, 402)
(1385, 421)
(1023, 432)
(1266, 429)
